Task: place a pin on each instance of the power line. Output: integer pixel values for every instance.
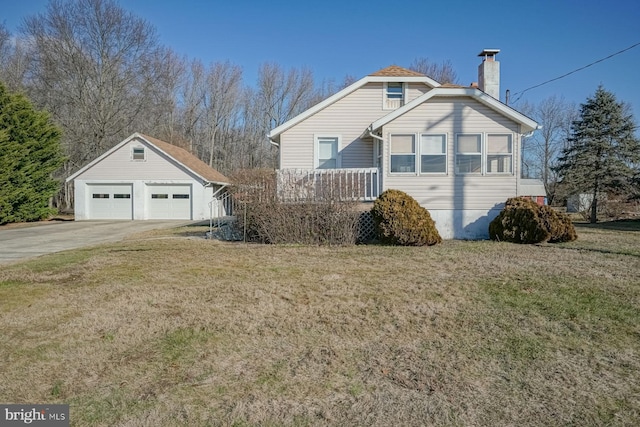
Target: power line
(574, 71)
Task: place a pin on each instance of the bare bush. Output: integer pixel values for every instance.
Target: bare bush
(321, 217)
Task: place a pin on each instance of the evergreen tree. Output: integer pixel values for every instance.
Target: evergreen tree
(602, 153)
(30, 152)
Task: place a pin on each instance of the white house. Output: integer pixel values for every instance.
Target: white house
(145, 178)
(455, 149)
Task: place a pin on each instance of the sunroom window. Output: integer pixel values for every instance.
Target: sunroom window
(433, 154)
(499, 154)
(469, 154)
(403, 153)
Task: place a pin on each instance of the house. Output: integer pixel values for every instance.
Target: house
(455, 149)
(145, 178)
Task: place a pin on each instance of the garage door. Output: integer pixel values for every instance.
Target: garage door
(110, 201)
(169, 201)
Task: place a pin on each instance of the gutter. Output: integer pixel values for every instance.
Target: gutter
(372, 135)
(272, 142)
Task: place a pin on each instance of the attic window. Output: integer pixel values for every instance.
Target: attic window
(394, 95)
(137, 153)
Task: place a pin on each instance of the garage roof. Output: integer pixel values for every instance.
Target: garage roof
(177, 154)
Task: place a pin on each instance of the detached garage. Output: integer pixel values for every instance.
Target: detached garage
(145, 178)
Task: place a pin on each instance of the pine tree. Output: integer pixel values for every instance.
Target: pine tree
(30, 152)
(602, 153)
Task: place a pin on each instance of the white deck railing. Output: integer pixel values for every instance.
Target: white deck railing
(320, 184)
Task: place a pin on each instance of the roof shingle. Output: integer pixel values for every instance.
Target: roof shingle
(396, 71)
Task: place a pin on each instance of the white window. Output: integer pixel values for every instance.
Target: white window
(403, 153)
(393, 95)
(499, 154)
(137, 153)
(433, 154)
(327, 152)
(468, 153)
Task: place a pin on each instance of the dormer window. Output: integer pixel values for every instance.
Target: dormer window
(137, 153)
(394, 95)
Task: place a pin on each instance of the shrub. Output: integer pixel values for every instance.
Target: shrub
(524, 221)
(321, 217)
(400, 220)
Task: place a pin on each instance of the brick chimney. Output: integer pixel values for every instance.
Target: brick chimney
(489, 73)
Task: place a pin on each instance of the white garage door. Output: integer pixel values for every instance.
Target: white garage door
(110, 201)
(169, 201)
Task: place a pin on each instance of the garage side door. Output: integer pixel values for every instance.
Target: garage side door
(169, 201)
(110, 201)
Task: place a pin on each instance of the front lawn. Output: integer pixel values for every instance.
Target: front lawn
(169, 329)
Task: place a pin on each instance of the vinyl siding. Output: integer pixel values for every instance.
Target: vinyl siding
(414, 90)
(451, 116)
(348, 118)
(119, 164)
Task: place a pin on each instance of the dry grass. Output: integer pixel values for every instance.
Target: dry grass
(167, 329)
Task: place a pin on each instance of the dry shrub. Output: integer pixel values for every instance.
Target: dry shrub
(524, 221)
(323, 216)
(400, 220)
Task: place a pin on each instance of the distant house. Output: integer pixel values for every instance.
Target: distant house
(455, 149)
(145, 178)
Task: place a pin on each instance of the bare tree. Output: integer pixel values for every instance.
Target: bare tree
(94, 67)
(442, 72)
(221, 103)
(14, 60)
(542, 149)
(280, 95)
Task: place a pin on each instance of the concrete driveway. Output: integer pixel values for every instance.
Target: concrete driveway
(19, 243)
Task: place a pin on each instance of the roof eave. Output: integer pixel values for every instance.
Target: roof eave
(527, 123)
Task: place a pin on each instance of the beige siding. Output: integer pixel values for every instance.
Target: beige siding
(451, 116)
(348, 118)
(414, 90)
(118, 165)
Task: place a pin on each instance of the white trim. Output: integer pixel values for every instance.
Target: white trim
(415, 154)
(481, 153)
(512, 153)
(316, 149)
(525, 122)
(275, 132)
(144, 153)
(420, 154)
(385, 95)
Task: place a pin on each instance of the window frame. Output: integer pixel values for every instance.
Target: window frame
(509, 154)
(445, 154)
(133, 153)
(414, 154)
(386, 93)
(458, 154)
(316, 149)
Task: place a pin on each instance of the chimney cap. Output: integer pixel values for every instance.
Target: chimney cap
(489, 52)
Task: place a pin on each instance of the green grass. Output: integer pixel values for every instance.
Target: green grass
(168, 329)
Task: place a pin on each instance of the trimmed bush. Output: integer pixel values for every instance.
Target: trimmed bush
(400, 220)
(524, 221)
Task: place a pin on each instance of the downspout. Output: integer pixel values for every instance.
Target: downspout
(381, 139)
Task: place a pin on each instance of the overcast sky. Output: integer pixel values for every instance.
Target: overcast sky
(539, 40)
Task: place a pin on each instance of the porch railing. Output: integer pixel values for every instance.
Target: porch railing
(361, 184)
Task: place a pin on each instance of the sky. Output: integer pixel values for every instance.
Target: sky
(538, 40)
